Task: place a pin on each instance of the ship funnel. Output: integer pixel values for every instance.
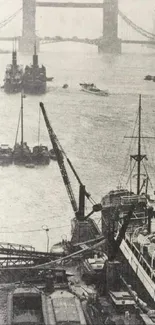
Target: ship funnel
(35, 56)
(14, 54)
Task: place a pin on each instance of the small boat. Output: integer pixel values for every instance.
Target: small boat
(65, 86)
(22, 154)
(49, 79)
(148, 77)
(6, 155)
(40, 155)
(24, 307)
(92, 89)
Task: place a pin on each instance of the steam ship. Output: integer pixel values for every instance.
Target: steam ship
(34, 77)
(13, 76)
(138, 245)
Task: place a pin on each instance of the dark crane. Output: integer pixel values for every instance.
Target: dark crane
(79, 210)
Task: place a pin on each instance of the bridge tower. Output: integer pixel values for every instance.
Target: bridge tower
(110, 43)
(28, 39)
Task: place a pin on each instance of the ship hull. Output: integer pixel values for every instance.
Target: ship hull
(22, 156)
(6, 160)
(12, 88)
(22, 160)
(41, 159)
(34, 88)
(136, 261)
(100, 93)
(40, 155)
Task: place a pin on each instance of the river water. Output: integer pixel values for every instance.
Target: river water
(90, 128)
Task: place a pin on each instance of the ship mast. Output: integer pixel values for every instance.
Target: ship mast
(22, 130)
(139, 157)
(14, 55)
(35, 57)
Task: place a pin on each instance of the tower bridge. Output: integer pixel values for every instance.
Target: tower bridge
(108, 43)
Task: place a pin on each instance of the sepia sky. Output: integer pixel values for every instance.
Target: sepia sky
(79, 22)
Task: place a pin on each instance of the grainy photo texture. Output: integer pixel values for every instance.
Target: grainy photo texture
(77, 162)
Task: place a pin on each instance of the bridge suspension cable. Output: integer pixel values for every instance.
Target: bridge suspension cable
(138, 29)
(9, 19)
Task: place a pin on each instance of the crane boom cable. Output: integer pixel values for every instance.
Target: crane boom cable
(73, 169)
(19, 118)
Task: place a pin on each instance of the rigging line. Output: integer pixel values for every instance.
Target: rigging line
(39, 126)
(147, 175)
(152, 160)
(129, 150)
(125, 172)
(92, 201)
(131, 173)
(29, 222)
(145, 148)
(17, 128)
(32, 230)
(39, 220)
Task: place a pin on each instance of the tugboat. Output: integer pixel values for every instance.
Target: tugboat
(92, 89)
(34, 78)
(40, 155)
(6, 155)
(21, 154)
(13, 75)
(65, 86)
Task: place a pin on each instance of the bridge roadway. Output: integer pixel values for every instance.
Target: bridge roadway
(46, 40)
(93, 41)
(69, 5)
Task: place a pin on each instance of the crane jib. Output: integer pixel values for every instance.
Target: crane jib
(60, 160)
